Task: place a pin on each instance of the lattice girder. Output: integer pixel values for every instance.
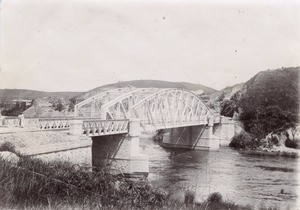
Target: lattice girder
(91, 107)
(171, 107)
(159, 108)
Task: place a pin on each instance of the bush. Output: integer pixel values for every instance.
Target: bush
(159, 135)
(291, 144)
(244, 140)
(7, 146)
(58, 105)
(215, 198)
(189, 198)
(274, 140)
(215, 202)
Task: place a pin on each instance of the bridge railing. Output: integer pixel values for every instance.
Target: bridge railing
(36, 123)
(90, 126)
(10, 121)
(104, 127)
(52, 123)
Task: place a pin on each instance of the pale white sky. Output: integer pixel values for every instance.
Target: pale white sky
(77, 45)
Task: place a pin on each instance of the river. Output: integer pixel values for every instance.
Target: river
(243, 179)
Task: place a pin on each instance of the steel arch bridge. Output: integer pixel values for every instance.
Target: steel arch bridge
(156, 108)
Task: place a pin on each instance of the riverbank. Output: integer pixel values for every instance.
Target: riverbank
(34, 184)
(274, 151)
(177, 171)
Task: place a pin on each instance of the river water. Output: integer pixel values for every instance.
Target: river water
(240, 178)
(243, 179)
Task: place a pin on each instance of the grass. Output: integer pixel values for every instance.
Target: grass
(35, 184)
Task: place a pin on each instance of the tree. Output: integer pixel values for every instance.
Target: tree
(72, 104)
(58, 106)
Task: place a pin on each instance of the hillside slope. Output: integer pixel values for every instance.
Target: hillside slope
(268, 101)
(45, 104)
(148, 84)
(11, 94)
(227, 92)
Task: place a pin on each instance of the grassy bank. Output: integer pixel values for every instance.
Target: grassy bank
(34, 184)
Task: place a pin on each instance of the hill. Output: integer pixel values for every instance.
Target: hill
(12, 94)
(148, 84)
(226, 93)
(45, 103)
(267, 102)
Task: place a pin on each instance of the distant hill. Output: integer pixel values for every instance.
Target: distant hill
(11, 94)
(148, 84)
(268, 101)
(46, 101)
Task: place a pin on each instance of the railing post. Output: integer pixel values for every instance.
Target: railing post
(103, 114)
(93, 108)
(76, 112)
(134, 133)
(1, 118)
(22, 120)
(76, 127)
(134, 127)
(222, 119)
(210, 126)
(210, 121)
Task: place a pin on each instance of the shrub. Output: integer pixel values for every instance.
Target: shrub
(189, 198)
(159, 135)
(7, 146)
(244, 140)
(274, 140)
(291, 144)
(215, 198)
(215, 202)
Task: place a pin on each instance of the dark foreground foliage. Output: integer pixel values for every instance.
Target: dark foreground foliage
(215, 202)
(7, 146)
(34, 184)
(58, 184)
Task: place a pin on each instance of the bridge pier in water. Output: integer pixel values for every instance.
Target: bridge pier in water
(120, 152)
(225, 130)
(205, 137)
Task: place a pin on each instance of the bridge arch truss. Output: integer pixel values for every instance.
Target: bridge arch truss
(157, 108)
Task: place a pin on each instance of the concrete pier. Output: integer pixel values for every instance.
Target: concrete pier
(192, 137)
(225, 130)
(120, 152)
(207, 137)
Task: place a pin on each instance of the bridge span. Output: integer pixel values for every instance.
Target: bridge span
(114, 120)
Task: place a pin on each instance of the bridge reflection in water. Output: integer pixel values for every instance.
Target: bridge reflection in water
(115, 118)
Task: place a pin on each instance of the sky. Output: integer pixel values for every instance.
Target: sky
(78, 45)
